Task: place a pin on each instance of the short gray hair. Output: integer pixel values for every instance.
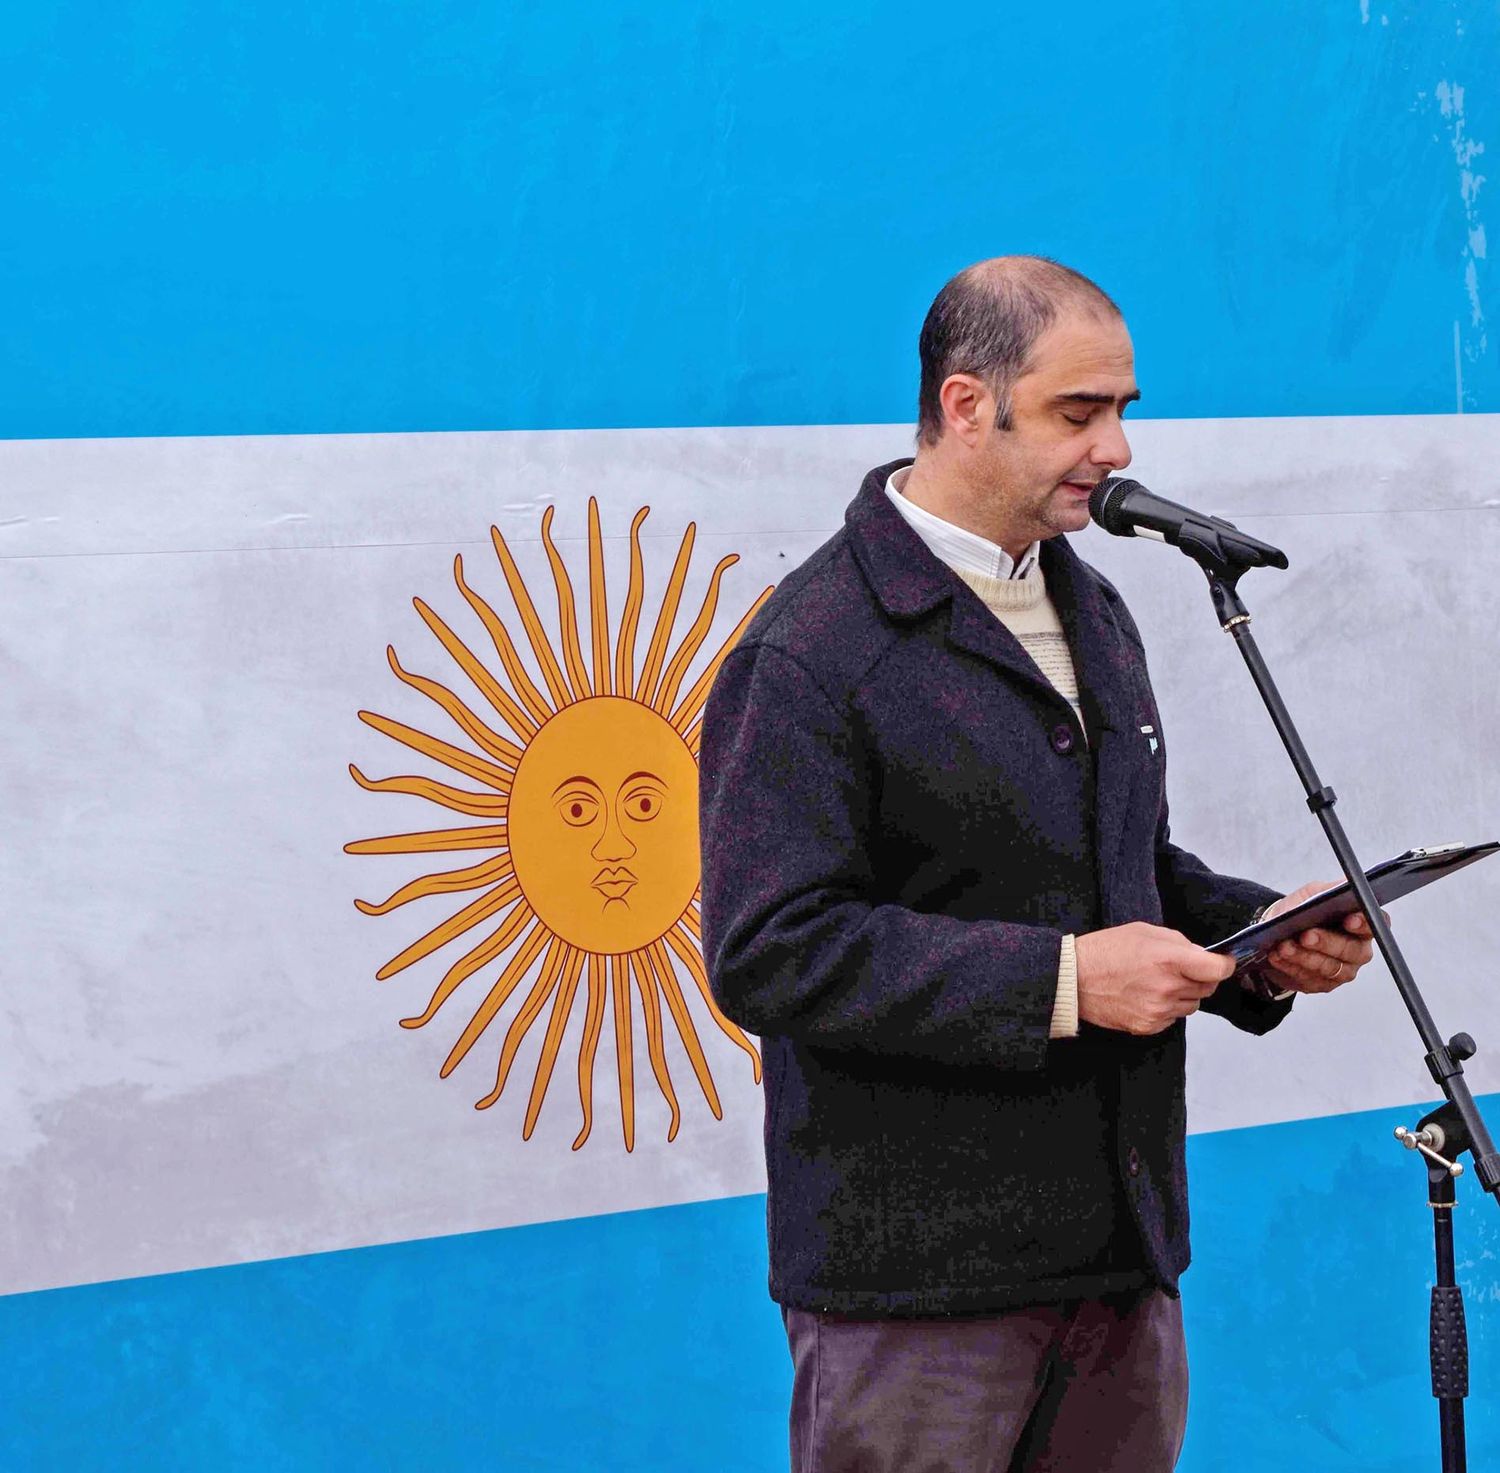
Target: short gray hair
(986, 321)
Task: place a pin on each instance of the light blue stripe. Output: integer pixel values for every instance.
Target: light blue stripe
(1307, 1305)
(342, 217)
(644, 1341)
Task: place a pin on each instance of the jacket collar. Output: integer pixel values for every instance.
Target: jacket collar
(904, 575)
(908, 581)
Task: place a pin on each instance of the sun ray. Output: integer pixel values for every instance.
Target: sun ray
(666, 617)
(495, 693)
(440, 751)
(662, 698)
(433, 841)
(554, 891)
(593, 1026)
(651, 1008)
(694, 963)
(491, 741)
(567, 614)
(531, 697)
(515, 969)
(535, 631)
(693, 701)
(635, 593)
(598, 604)
(562, 1005)
(460, 800)
(470, 916)
(619, 976)
(487, 872)
(493, 945)
(667, 980)
(558, 952)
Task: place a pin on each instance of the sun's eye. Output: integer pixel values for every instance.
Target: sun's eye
(643, 804)
(578, 810)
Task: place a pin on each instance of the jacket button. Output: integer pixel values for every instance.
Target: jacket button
(1062, 739)
(1133, 1162)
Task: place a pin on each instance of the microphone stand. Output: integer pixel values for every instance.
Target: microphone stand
(1456, 1127)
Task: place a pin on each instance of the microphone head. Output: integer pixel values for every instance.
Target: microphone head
(1106, 504)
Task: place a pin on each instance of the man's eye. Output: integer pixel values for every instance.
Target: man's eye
(1073, 420)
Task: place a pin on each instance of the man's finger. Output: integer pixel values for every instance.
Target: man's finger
(1206, 967)
(1311, 971)
(1332, 943)
(1314, 965)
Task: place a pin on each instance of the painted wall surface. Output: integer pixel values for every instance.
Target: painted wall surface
(301, 305)
(457, 216)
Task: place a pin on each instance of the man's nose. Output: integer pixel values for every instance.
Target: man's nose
(614, 846)
(1112, 448)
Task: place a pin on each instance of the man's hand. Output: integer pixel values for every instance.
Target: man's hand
(1319, 959)
(1141, 978)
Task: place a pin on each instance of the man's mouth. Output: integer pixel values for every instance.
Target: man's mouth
(614, 884)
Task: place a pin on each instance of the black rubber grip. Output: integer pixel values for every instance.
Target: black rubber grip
(1450, 1344)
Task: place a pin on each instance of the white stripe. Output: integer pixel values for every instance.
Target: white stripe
(197, 1066)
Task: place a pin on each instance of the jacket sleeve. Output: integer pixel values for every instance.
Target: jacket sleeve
(796, 942)
(1206, 907)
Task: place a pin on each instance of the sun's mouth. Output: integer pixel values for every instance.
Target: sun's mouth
(614, 883)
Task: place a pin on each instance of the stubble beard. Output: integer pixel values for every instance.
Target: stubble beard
(1059, 512)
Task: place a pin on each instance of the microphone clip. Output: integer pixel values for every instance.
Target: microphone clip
(1223, 551)
(1226, 554)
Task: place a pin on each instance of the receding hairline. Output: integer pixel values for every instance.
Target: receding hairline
(1060, 284)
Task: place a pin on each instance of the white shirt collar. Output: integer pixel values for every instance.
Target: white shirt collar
(961, 550)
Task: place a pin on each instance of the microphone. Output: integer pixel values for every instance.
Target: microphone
(1127, 509)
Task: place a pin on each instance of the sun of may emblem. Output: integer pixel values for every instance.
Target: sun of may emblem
(587, 815)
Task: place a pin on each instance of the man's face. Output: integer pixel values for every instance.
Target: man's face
(1065, 434)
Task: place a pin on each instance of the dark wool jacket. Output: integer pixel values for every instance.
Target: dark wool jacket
(900, 821)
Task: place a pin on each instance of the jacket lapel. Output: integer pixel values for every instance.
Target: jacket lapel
(1104, 660)
(975, 630)
(1101, 657)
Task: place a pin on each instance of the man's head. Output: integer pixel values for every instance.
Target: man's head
(1026, 370)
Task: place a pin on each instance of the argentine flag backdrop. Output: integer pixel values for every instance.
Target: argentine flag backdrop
(299, 304)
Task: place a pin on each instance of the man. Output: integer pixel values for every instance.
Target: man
(938, 882)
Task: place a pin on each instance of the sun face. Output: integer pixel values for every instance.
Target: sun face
(589, 812)
(604, 825)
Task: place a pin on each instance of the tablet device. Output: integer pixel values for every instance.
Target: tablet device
(1391, 880)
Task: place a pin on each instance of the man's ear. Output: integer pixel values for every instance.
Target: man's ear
(968, 407)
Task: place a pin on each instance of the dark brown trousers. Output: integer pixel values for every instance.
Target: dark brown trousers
(1090, 1386)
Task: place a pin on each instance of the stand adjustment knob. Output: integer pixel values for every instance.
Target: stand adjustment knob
(1429, 1141)
(1462, 1047)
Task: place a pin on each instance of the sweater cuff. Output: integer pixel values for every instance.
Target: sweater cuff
(1065, 1008)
